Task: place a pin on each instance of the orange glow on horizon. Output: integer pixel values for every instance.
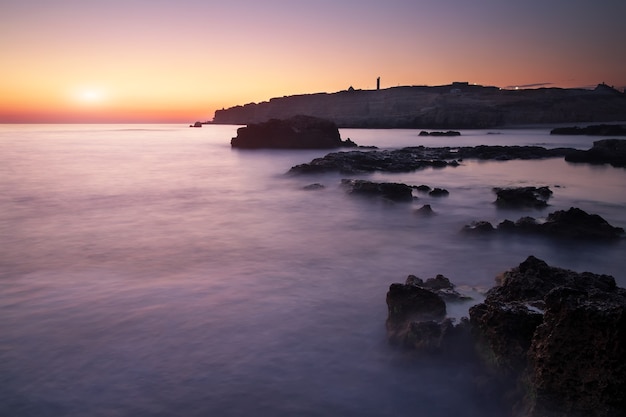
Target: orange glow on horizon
(84, 62)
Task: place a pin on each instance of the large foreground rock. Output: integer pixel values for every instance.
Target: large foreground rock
(562, 334)
(298, 132)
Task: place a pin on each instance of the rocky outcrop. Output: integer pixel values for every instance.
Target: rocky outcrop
(606, 151)
(455, 106)
(593, 130)
(571, 224)
(298, 132)
(387, 190)
(553, 341)
(562, 334)
(417, 316)
(419, 157)
(522, 197)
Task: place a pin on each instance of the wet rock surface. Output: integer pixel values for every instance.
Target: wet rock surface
(553, 341)
(388, 190)
(563, 333)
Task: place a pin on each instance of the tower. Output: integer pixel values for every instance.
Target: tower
(378, 83)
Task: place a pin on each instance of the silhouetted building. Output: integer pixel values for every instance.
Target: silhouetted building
(378, 83)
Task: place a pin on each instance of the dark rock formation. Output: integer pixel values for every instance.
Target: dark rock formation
(388, 190)
(438, 192)
(562, 333)
(420, 157)
(456, 106)
(606, 151)
(521, 197)
(438, 133)
(298, 132)
(426, 210)
(572, 224)
(593, 130)
(407, 304)
(196, 124)
(315, 186)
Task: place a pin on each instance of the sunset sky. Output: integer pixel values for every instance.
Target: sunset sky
(180, 60)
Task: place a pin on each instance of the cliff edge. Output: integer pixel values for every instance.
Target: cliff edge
(454, 106)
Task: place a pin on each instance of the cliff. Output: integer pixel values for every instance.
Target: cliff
(455, 106)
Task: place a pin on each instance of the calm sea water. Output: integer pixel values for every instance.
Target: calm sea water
(151, 270)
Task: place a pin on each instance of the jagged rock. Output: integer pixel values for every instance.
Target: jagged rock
(520, 197)
(562, 333)
(298, 132)
(607, 151)
(440, 285)
(389, 190)
(196, 124)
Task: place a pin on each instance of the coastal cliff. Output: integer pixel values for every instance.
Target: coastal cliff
(454, 106)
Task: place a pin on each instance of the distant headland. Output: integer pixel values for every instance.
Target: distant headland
(459, 105)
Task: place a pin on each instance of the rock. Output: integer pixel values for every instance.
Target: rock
(315, 186)
(407, 304)
(419, 157)
(606, 151)
(298, 132)
(562, 333)
(196, 124)
(388, 190)
(571, 224)
(436, 133)
(522, 197)
(593, 130)
(576, 223)
(479, 227)
(425, 210)
(439, 192)
(440, 285)
(423, 188)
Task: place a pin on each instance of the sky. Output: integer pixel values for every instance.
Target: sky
(177, 61)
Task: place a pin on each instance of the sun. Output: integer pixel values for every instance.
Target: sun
(90, 95)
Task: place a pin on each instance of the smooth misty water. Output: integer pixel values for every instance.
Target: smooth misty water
(153, 271)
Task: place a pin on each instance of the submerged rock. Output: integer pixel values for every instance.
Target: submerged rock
(521, 197)
(439, 133)
(298, 132)
(389, 190)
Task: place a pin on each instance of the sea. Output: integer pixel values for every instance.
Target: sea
(152, 270)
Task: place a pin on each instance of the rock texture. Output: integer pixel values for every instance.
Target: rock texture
(455, 106)
(562, 333)
(298, 132)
